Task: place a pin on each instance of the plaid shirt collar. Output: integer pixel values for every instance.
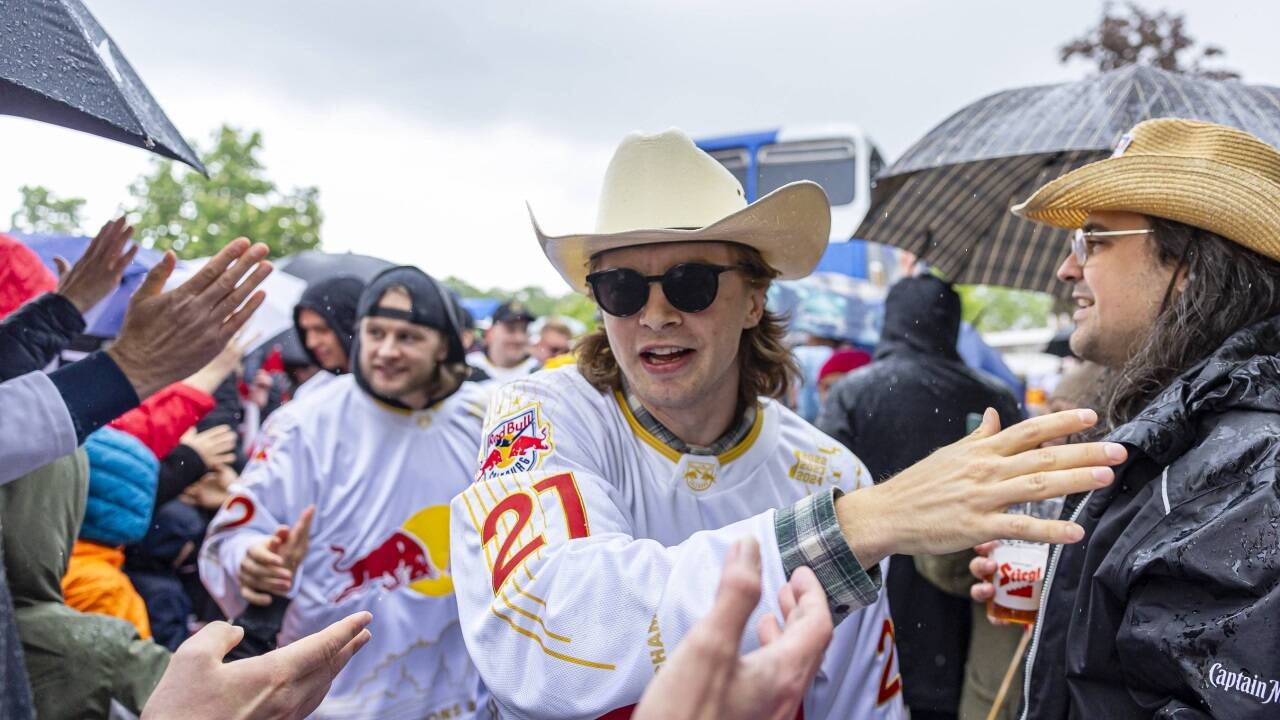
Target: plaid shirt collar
(732, 437)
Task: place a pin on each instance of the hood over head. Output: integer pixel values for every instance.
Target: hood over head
(335, 299)
(433, 307)
(921, 315)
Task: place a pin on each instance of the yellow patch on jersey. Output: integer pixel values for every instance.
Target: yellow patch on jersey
(700, 475)
(810, 468)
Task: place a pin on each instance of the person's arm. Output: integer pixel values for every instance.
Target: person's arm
(178, 470)
(35, 333)
(36, 425)
(161, 420)
(237, 561)
(285, 683)
(565, 611)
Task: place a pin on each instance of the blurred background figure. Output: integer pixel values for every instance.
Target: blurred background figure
(506, 344)
(916, 396)
(840, 364)
(555, 338)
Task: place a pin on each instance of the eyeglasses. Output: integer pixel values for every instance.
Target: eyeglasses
(1082, 239)
(689, 287)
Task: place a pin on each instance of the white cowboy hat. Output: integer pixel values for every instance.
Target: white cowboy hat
(662, 188)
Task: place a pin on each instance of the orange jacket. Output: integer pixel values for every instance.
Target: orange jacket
(94, 583)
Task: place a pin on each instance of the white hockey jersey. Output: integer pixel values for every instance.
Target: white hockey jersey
(381, 479)
(587, 548)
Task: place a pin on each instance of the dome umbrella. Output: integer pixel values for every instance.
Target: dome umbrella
(60, 67)
(947, 199)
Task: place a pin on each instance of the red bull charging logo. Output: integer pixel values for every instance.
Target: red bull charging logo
(415, 556)
(517, 443)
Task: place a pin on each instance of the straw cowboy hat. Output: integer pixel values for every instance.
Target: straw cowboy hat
(1208, 176)
(662, 189)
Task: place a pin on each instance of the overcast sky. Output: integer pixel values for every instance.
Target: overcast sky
(427, 125)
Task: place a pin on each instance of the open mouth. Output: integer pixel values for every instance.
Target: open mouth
(664, 356)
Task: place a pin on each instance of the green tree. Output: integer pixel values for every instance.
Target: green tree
(990, 308)
(1134, 36)
(42, 212)
(175, 208)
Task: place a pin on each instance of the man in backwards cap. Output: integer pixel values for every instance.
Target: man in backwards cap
(1172, 607)
(609, 494)
(374, 456)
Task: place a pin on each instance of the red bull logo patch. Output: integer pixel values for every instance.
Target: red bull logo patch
(517, 443)
(416, 556)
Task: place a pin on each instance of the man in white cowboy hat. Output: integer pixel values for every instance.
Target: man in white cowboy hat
(609, 494)
(1172, 607)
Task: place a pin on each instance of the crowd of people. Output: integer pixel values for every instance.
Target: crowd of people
(656, 518)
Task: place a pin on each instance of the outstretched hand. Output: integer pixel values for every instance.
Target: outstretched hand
(98, 271)
(167, 336)
(957, 497)
(286, 683)
(268, 568)
(705, 679)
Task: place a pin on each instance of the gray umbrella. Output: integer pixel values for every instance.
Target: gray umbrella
(313, 265)
(59, 66)
(947, 198)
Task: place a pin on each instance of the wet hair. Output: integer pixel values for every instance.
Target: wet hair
(1228, 287)
(765, 364)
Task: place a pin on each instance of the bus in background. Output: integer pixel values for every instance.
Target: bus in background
(840, 158)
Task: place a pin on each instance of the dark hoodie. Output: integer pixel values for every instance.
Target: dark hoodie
(335, 299)
(1171, 608)
(915, 397)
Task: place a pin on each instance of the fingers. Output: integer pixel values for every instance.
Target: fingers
(301, 531)
(739, 591)
(1063, 457)
(254, 597)
(1045, 485)
(122, 262)
(241, 316)
(232, 274)
(768, 630)
(982, 568)
(212, 270)
(990, 425)
(1025, 527)
(62, 265)
(1032, 433)
(155, 279)
(237, 294)
(213, 642)
(329, 650)
(984, 550)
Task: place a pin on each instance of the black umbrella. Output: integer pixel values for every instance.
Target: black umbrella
(1060, 343)
(947, 198)
(313, 265)
(59, 66)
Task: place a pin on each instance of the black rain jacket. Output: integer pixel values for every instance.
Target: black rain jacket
(914, 398)
(1171, 608)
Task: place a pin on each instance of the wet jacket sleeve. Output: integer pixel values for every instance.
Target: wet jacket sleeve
(1201, 627)
(276, 486)
(566, 612)
(35, 426)
(161, 419)
(35, 333)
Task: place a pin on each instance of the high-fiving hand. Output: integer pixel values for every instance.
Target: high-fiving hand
(268, 567)
(705, 679)
(98, 271)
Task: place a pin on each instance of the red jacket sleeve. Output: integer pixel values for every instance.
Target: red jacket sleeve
(162, 418)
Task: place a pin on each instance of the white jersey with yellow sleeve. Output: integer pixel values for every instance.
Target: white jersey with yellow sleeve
(587, 549)
(381, 479)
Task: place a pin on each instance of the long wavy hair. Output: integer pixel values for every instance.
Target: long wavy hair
(765, 364)
(1228, 287)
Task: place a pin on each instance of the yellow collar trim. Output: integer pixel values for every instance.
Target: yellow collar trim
(670, 453)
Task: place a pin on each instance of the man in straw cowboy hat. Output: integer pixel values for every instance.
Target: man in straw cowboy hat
(1172, 607)
(610, 494)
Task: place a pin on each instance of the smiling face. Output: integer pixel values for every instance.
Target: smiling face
(1118, 291)
(321, 340)
(679, 364)
(398, 358)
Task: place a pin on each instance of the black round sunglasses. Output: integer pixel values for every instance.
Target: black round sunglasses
(689, 287)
